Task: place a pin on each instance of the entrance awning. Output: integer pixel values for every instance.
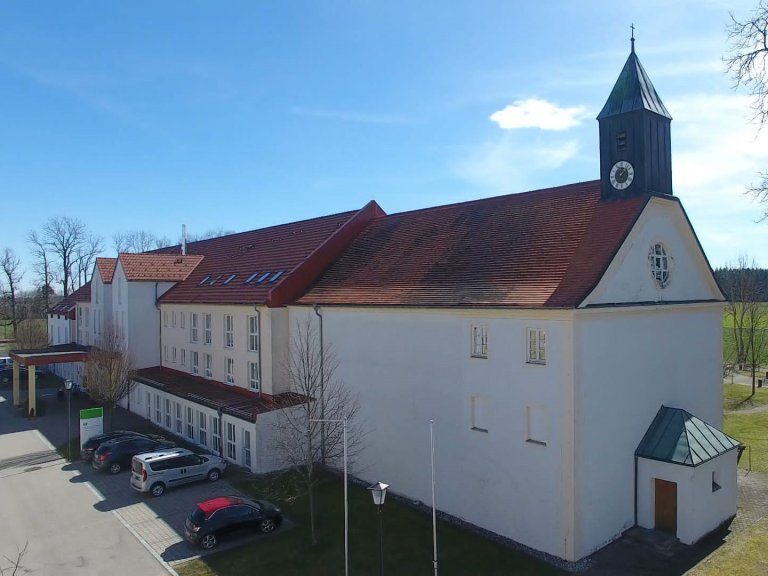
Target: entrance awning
(60, 354)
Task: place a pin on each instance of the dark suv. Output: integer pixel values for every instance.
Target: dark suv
(212, 519)
(115, 455)
(90, 446)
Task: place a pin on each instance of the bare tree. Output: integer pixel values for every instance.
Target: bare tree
(163, 242)
(208, 234)
(32, 334)
(10, 278)
(748, 313)
(316, 394)
(748, 66)
(90, 249)
(109, 371)
(134, 241)
(64, 237)
(42, 263)
(15, 565)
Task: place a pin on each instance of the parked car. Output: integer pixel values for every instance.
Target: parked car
(5, 361)
(90, 446)
(214, 519)
(115, 455)
(155, 472)
(6, 374)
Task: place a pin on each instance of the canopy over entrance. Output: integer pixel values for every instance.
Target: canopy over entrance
(60, 354)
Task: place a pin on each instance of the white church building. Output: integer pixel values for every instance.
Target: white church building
(567, 342)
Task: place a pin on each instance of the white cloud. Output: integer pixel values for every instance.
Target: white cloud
(538, 113)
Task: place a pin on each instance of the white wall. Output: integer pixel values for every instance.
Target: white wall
(61, 330)
(630, 361)
(410, 366)
(699, 509)
(101, 305)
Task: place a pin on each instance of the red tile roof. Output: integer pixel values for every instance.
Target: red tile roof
(106, 267)
(233, 400)
(82, 294)
(301, 251)
(546, 248)
(158, 267)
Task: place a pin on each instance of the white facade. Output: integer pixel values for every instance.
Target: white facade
(101, 305)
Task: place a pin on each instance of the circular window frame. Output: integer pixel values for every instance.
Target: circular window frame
(661, 276)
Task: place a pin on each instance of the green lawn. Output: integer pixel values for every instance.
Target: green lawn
(751, 430)
(744, 555)
(739, 397)
(407, 540)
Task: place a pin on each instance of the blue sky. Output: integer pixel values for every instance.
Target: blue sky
(240, 115)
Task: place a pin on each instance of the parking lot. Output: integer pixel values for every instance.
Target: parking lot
(82, 521)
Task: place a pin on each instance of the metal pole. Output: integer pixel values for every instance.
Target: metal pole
(69, 426)
(434, 516)
(346, 506)
(381, 540)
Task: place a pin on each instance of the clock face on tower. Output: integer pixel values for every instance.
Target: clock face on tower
(622, 174)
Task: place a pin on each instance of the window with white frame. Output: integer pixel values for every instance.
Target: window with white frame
(253, 333)
(659, 262)
(177, 410)
(229, 331)
(149, 406)
(536, 425)
(208, 327)
(253, 375)
(537, 346)
(165, 352)
(181, 320)
(479, 414)
(195, 362)
(158, 417)
(119, 291)
(230, 364)
(208, 366)
(193, 325)
(246, 448)
(173, 318)
(173, 355)
(479, 341)
(168, 413)
(183, 357)
(202, 428)
(190, 423)
(165, 318)
(216, 434)
(231, 443)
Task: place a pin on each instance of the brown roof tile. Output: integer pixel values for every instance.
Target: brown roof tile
(158, 267)
(106, 267)
(546, 248)
(299, 251)
(82, 294)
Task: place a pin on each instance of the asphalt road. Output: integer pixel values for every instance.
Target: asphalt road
(45, 507)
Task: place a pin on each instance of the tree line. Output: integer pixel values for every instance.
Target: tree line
(63, 252)
(733, 280)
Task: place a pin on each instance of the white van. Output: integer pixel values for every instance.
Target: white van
(155, 472)
(5, 361)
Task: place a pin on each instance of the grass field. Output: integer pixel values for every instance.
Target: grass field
(744, 555)
(739, 397)
(407, 540)
(751, 430)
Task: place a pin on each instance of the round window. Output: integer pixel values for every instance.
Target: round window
(659, 261)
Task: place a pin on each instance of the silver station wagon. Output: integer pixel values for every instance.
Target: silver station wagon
(156, 472)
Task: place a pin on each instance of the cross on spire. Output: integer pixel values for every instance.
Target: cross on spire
(632, 39)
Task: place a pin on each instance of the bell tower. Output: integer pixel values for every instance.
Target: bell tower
(635, 146)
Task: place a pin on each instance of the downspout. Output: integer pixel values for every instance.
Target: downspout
(258, 343)
(221, 431)
(635, 490)
(316, 308)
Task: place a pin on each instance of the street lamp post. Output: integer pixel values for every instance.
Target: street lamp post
(343, 421)
(379, 493)
(68, 387)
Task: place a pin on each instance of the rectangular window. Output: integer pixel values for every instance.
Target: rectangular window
(229, 331)
(193, 328)
(230, 362)
(231, 445)
(168, 413)
(216, 434)
(208, 328)
(183, 357)
(190, 423)
(479, 416)
(195, 362)
(253, 375)
(479, 341)
(253, 333)
(537, 346)
(181, 319)
(716, 480)
(202, 428)
(177, 409)
(173, 319)
(165, 353)
(247, 448)
(208, 366)
(165, 318)
(536, 425)
(158, 417)
(173, 355)
(149, 406)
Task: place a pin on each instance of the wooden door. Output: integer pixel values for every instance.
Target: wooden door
(666, 506)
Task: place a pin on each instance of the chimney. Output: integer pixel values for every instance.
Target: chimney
(183, 239)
